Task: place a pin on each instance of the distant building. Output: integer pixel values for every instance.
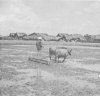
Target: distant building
(0, 37)
(88, 38)
(13, 35)
(34, 36)
(96, 38)
(71, 37)
(45, 37)
(61, 34)
(17, 35)
(20, 35)
(30, 37)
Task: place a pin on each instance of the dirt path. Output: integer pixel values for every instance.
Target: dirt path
(68, 73)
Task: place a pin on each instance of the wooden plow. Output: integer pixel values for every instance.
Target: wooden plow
(39, 60)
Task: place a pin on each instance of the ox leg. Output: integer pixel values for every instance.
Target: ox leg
(64, 59)
(58, 59)
(49, 61)
(50, 57)
(55, 58)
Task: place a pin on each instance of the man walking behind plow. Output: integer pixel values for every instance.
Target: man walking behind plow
(39, 45)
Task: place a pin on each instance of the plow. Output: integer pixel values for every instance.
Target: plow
(39, 59)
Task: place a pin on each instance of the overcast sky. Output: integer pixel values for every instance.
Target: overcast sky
(50, 16)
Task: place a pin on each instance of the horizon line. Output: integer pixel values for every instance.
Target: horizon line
(50, 34)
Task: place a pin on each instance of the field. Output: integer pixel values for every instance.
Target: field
(79, 75)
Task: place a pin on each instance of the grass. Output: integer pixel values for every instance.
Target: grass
(38, 86)
(30, 42)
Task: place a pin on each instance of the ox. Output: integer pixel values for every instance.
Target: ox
(60, 52)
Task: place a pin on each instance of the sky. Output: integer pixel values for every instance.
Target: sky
(50, 16)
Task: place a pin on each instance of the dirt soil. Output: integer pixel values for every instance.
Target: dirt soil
(79, 75)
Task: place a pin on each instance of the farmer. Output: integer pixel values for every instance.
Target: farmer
(39, 44)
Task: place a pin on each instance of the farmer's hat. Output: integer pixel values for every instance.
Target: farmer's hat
(39, 38)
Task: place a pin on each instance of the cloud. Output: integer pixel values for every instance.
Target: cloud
(18, 17)
(51, 16)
